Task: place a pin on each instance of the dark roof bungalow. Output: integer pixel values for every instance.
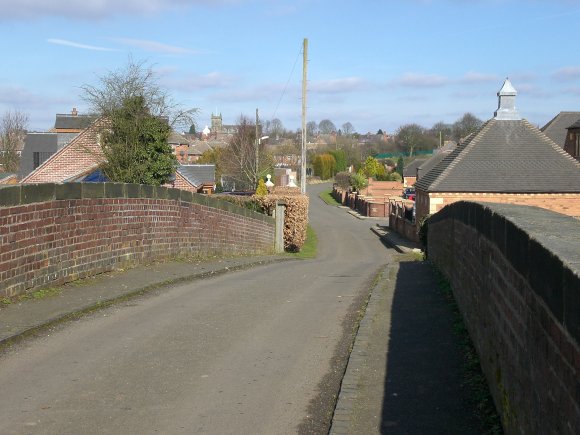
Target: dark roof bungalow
(507, 160)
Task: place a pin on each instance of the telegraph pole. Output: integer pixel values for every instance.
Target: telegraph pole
(257, 146)
(303, 160)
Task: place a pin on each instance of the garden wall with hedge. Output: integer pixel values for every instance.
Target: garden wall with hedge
(51, 234)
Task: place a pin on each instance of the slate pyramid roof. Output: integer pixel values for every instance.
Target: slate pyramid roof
(505, 156)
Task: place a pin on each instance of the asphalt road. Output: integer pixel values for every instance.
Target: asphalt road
(257, 351)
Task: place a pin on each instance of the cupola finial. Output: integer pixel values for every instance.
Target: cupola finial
(506, 108)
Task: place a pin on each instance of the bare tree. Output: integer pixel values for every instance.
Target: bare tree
(136, 79)
(238, 160)
(276, 128)
(311, 129)
(13, 127)
(409, 136)
(326, 126)
(347, 129)
(466, 125)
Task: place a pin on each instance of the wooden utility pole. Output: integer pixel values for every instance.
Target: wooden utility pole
(257, 146)
(303, 160)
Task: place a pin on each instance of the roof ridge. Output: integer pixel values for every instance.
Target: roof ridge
(460, 151)
(544, 137)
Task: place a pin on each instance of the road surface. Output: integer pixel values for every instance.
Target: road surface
(257, 351)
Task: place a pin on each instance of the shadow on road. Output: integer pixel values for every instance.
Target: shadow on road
(423, 392)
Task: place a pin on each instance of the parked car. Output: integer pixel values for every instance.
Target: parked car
(409, 193)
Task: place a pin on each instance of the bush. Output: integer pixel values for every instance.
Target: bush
(395, 176)
(342, 180)
(296, 218)
(324, 166)
(358, 181)
(424, 232)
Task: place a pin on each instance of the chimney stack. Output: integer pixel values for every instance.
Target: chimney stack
(74, 112)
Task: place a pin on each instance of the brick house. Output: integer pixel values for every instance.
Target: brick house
(507, 160)
(195, 178)
(80, 158)
(410, 172)
(38, 147)
(76, 158)
(572, 144)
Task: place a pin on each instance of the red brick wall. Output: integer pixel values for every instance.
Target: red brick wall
(58, 233)
(521, 303)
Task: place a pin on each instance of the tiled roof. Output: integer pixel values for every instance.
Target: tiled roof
(73, 122)
(576, 124)
(411, 169)
(177, 139)
(198, 174)
(556, 129)
(429, 164)
(505, 156)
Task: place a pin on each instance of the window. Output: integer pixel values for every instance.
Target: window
(577, 150)
(38, 158)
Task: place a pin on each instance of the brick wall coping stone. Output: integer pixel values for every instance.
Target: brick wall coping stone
(21, 194)
(543, 246)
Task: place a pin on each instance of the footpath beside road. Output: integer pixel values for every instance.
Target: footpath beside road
(404, 374)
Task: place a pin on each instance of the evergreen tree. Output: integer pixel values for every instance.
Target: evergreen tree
(135, 145)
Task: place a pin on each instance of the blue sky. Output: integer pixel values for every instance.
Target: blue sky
(373, 63)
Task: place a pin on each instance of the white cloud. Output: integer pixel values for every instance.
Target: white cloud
(95, 9)
(154, 46)
(421, 80)
(78, 45)
(195, 82)
(339, 86)
(473, 77)
(567, 73)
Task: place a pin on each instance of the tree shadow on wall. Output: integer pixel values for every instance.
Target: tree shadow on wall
(423, 392)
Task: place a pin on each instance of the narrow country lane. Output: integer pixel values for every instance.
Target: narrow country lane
(247, 352)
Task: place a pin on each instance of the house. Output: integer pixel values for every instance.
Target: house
(79, 160)
(74, 159)
(572, 144)
(557, 129)
(195, 178)
(72, 122)
(38, 147)
(507, 160)
(8, 178)
(410, 172)
(433, 161)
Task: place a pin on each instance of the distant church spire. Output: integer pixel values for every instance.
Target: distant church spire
(506, 107)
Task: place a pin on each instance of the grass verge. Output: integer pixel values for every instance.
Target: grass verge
(474, 379)
(327, 198)
(310, 247)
